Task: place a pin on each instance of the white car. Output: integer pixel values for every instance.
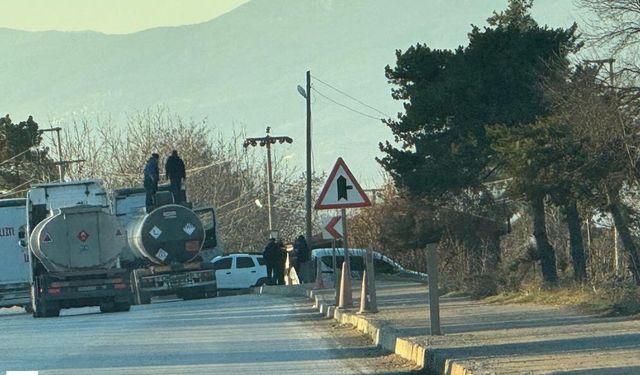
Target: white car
(239, 271)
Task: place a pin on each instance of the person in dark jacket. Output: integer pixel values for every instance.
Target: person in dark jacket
(302, 253)
(175, 173)
(151, 178)
(271, 258)
(279, 269)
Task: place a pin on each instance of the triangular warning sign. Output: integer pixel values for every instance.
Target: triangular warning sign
(341, 190)
(46, 238)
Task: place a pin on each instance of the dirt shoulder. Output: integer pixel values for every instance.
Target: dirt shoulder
(489, 338)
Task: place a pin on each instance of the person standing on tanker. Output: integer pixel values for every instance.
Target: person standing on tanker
(175, 173)
(270, 256)
(151, 177)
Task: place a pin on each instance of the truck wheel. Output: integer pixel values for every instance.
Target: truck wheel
(144, 299)
(122, 306)
(44, 310)
(52, 311)
(107, 307)
(193, 294)
(40, 310)
(262, 281)
(36, 311)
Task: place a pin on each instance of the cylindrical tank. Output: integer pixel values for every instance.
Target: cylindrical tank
(78, 238)
(169, 234)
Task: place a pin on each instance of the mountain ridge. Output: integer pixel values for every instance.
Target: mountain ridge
(240, 69)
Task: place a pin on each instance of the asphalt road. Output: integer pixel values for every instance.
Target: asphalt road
(247, 334)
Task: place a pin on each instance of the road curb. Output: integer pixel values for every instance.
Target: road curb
(434, 361)
(388, 338)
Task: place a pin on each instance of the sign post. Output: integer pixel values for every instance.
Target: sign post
(342, 191)
(332, 230)
(346, 294)
(434, 294)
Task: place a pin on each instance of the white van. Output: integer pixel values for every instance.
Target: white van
(15, 269)
(382, 263)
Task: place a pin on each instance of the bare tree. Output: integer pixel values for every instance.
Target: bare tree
(602, 121)
(220, 173)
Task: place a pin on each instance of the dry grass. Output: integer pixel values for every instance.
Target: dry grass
(577, 296)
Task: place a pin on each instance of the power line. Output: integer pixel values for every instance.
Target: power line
(344, 105)
(13, 190)
(10, 193)
(15, 156)
(350, 97)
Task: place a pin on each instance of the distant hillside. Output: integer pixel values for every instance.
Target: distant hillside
(243, 67)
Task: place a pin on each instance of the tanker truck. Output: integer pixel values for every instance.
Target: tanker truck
(15, 270)
(165, 246)
(74, 247)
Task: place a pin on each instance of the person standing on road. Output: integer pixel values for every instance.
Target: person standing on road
(279, 270)
(175, 173)
(151, 176)
(301, 251)
(270, 255)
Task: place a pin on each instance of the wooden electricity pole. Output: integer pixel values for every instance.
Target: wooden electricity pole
(267, 141)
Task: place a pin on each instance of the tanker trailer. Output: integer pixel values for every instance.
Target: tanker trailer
(74, 245)
(164, 246)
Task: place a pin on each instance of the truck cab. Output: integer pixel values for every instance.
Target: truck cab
(15, 268)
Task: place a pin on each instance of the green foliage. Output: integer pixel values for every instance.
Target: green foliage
(541, 157)
(20, 161)
(451, 96)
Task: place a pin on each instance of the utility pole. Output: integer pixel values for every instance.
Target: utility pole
(60, 163)
(600, 63)
(307, 95)
(307, 195)
(268, 141)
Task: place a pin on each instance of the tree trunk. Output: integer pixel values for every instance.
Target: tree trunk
(492, 259)
(474, 255)
(621, 221)
(545, 250)
(575, 241)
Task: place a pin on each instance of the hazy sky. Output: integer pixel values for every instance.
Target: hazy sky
(108, 16)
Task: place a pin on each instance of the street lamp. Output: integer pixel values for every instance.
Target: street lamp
(268, 141)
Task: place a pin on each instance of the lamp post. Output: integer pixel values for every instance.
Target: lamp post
(268, 141)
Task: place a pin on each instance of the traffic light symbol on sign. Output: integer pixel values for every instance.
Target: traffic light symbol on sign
(342, 188)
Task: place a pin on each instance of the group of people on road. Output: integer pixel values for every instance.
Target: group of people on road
(275, 257)
(174, 172)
